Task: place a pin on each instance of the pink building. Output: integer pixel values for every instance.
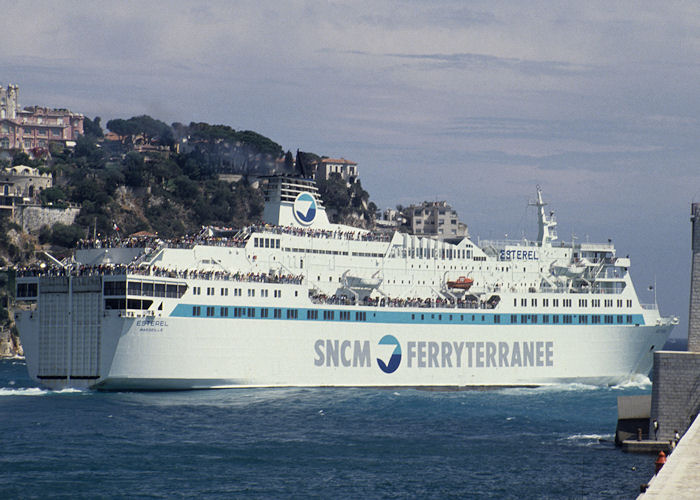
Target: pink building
(35, 127)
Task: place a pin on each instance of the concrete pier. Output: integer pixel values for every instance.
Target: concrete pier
(680, 476)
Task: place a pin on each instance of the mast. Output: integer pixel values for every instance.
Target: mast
(547, 225)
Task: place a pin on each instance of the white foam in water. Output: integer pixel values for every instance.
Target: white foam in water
(29, 391)
(573, 387)
(68, 390)
(589, 437)
(35, 391)
(636, 382)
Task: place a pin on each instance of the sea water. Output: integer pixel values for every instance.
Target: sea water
(550, 442)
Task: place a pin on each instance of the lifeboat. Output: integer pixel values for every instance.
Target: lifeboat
(461, 283)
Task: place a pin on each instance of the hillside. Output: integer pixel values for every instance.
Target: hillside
(145, 175)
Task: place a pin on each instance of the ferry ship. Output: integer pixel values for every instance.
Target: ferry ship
(300, 301)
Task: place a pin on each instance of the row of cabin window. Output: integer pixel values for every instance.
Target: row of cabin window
(237, 292)
(567, 302)
(121, 304)
(342, 315)
(443, 253)
(317, 250)
(266, 242)
(413, 253)
(582, 319)
(250, 312)
(567, 319)
(144, 288)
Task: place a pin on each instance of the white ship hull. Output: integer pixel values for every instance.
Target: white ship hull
(193, 353)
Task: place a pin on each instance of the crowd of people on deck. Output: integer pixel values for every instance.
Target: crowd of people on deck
(120, 269)
(227, 237)
(401, 302)
(358, 235)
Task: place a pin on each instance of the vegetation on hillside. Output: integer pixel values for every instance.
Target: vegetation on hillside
(166, 180)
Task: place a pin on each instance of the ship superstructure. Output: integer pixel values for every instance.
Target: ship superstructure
(300, 301)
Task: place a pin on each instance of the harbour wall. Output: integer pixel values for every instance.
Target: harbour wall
(32, 218)
(675, 394)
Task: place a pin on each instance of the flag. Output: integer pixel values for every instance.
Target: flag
(116, 228)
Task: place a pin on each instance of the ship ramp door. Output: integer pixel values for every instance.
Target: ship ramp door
(70, 314)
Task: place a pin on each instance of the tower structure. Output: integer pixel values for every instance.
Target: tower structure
(9, 98)
(694, 315)
(675, 395)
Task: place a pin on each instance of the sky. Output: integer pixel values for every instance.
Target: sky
(475, 103)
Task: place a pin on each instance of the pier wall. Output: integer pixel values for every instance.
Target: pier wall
(675, 395)
(694, 314)
(32, 218)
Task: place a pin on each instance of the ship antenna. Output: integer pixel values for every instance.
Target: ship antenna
(546, 225)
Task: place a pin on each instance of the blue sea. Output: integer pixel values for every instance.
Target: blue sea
(554, 442)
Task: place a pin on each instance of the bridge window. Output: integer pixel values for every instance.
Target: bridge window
(115, 303)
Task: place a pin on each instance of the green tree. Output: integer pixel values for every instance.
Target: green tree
(53, 195)
(22, 158)
(66, 236)
(92, 128)
(88, 153)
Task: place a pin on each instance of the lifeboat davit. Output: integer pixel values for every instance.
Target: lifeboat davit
(461, 283)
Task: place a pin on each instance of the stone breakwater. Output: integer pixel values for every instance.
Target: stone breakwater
(10, 345)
